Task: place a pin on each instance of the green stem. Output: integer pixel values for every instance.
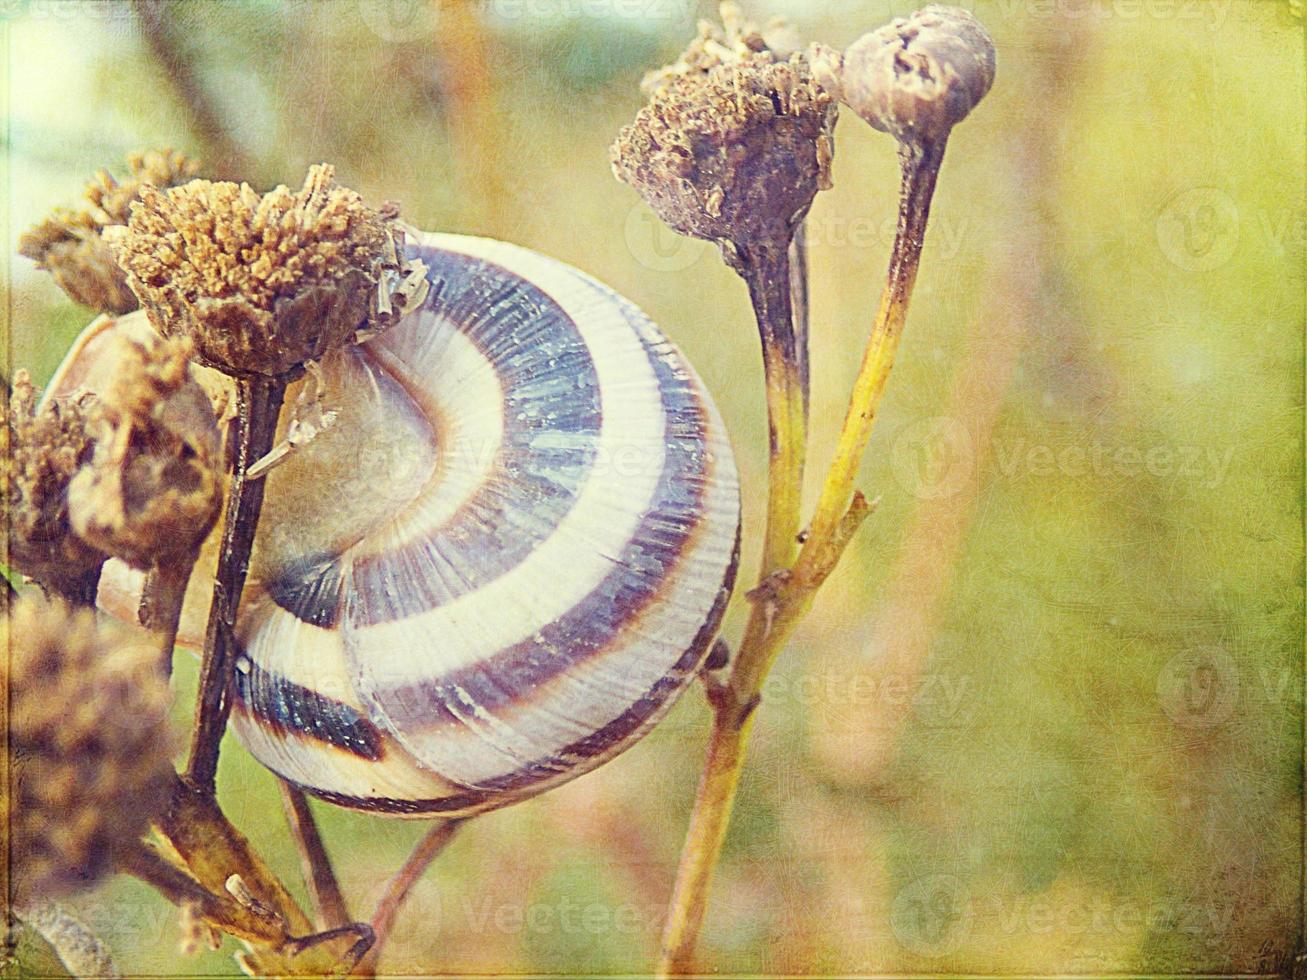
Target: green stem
(785, 594)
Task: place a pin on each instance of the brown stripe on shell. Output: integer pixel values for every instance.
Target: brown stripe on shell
(591, 627)
(607, 740)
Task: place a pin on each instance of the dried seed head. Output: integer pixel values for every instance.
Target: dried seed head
(736, 139)
(262, 283)
(41, 453)
(918, 76)
(90, 741)
(69, 242)
(153, 487)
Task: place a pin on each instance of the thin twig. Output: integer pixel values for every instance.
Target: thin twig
(329, 909)
(162, 36)
(258, 403)
(398, 888)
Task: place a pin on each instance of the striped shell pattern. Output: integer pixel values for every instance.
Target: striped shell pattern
(506, 559)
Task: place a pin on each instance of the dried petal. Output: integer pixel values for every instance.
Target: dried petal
(260, 283)
(69, 243)
(41, 453)
(153, 487)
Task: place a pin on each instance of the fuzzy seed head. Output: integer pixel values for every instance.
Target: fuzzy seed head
(69, 244)
(919, 76)
(260, 283)
(90, 741)
(736, 139)
(152, 489)
(41, 453)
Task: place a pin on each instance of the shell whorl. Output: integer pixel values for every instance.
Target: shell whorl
(505, 561)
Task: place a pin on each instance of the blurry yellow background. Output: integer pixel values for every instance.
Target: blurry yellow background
(1047, 717)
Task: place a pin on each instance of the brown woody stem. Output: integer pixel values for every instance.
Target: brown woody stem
(258, 405)
(330, 911)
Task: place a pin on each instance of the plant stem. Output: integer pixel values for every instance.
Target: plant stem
(162, 601)
(213, 850)
(219, 910)
(398, 888)
(258, 404)
(767, 272)
(785, 596)
(330, 911)
(799, 301)
(920, 168)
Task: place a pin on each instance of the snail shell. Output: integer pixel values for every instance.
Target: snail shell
(502, 564)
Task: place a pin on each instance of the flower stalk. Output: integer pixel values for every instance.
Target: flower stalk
(915, 79)
(258, 405)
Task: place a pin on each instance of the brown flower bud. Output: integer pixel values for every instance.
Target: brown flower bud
(918, 76)
(263, 283)
(90, 741)
(153, 487)
(69, 243)
(39, 454)
(736, 139)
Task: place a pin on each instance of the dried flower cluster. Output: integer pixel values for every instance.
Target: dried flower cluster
(70, 244)
(42, 452)
(736, 139)
(261, 283)
(89, 739)
(153, 486)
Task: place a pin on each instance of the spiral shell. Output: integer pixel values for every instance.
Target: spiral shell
(503, 562)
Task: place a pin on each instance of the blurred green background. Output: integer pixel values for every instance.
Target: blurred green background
(1047, 718)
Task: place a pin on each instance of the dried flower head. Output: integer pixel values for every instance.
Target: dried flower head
(918, 76)
(70, 244)
(153, 487)
(90, 741)
(264, 283)
(42, 452)
(736, 139)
